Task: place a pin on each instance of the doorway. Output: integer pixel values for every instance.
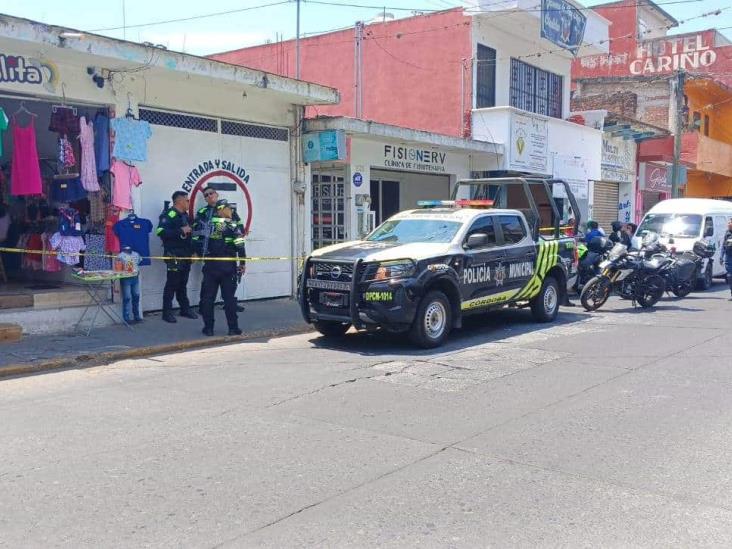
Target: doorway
(384, 199)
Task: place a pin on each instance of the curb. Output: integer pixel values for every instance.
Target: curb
(100, 359)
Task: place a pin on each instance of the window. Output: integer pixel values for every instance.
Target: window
(708, 227)
(706, 125)
(513, 229)
(483, 225)
(697, 121)
(536, 90)
(485, 78)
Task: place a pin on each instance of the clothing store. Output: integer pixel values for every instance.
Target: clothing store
(97, 133)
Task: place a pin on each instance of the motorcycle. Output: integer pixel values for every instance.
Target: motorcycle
(632, 274)
(590, 256)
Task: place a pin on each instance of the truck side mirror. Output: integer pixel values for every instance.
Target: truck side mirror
(477, 240)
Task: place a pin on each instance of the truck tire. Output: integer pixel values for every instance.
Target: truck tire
(705, 282)
(330, 328)
(545, 306)
(433, 321)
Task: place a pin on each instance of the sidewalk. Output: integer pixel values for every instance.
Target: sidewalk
(266, 318)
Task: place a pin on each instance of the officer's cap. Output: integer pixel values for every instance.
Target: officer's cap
(222, 203)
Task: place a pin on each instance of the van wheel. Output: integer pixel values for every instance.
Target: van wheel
(433, 321)
(330, 328)
(545, 306)
(705, 282)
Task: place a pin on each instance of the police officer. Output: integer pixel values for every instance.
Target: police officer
(205, 213)
(726, 256)
(174, 229)
(220, 238)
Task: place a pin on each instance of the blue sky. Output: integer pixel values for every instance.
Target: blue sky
(224, 32)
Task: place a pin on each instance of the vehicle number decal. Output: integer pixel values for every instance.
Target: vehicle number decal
(378, 296)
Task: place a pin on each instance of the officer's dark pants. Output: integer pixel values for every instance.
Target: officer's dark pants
(728, 266)
(175, 285)
(213, 279)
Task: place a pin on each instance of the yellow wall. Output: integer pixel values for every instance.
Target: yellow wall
(704, 185)
(714, 102)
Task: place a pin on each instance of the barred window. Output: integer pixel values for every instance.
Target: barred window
(177, 120)
(536, 90)
(485, 77)
(253, 130)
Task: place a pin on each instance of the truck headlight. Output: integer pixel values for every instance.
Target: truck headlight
(395, 269)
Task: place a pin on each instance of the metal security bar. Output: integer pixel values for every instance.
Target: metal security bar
(177, 120)
(253, 130)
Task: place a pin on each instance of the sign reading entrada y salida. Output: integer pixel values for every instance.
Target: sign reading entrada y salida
(672, 54)
(408, 158)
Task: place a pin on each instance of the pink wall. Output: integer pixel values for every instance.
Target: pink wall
(411, 69)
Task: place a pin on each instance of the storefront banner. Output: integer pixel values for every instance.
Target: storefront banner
(618, 159)
(529, 147)
(573, 170)
(28, 72)
(657, 178)
(563, 24)
(414, 159)
(325, 146)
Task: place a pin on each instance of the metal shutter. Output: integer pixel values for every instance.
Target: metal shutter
(605, 203)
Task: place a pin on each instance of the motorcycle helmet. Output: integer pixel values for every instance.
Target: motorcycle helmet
(704, 249)
(597, 244)
(650, 239)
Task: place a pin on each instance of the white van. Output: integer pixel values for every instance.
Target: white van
(680, 222)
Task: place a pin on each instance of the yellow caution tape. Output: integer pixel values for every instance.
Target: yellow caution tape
(157, 257)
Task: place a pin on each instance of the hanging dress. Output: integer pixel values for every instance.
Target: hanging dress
(88, 160)
(25, 174)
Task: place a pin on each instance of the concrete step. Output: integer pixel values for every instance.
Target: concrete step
(16, 301)
(67, 298)
(10, 332)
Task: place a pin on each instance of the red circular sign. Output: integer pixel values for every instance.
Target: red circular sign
(201, 183)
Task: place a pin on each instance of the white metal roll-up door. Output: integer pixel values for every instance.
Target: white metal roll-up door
(605, 203)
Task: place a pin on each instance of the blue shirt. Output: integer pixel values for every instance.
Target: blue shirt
(101, 142)
(592, 234)
(130, 139)
(135, 233)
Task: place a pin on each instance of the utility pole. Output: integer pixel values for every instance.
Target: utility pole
(678, 133)
(297, 43)
(358, 70)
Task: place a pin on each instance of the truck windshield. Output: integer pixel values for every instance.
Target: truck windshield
(407, 231)
(674, 225)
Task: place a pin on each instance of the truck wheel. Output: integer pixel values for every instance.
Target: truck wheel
(705, 282)
(433, 321)
(545, 306)
(330, 328)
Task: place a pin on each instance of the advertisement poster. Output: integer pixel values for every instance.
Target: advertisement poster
(529, 144)
(563, 24)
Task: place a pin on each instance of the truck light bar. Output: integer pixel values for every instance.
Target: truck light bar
(455, 203)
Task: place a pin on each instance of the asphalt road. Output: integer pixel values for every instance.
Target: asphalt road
(611, 429)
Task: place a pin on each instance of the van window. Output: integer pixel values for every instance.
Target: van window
(672, 225)
(708, 227)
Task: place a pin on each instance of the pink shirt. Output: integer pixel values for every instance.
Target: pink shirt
(124, 177)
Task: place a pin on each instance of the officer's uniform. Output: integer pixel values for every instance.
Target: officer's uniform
(219, 237)
(176, 244)
(727, 256)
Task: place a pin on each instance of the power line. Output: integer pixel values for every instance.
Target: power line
(192, 17)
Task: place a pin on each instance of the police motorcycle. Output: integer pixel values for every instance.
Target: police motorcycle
(590, 256)
(629, 274)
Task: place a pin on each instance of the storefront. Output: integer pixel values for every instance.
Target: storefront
(654, 185)
(613, 198)
(363, 173)
(182, 122)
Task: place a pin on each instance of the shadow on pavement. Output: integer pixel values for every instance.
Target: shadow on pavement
(490, 327)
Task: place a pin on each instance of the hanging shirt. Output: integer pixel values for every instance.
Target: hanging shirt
(111, 241)
(25, 169)
(125, 176)
(88, 161)
(130, 261)
(67, 190)
(3, 127)
(130, 139)
(68, 248)
(69, 222)
(135, 233)
(101, 142)
(64, 121)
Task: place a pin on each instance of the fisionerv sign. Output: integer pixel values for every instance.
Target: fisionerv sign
(563, 24)
(413, 158)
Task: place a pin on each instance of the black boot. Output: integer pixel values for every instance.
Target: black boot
(235, 331)
(207, 331)
(169, 317)
(188, 313)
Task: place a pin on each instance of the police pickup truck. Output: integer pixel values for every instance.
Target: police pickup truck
(422, 270)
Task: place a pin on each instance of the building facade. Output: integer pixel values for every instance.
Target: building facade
(639, 79)
(210, 124)
(489, 73)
